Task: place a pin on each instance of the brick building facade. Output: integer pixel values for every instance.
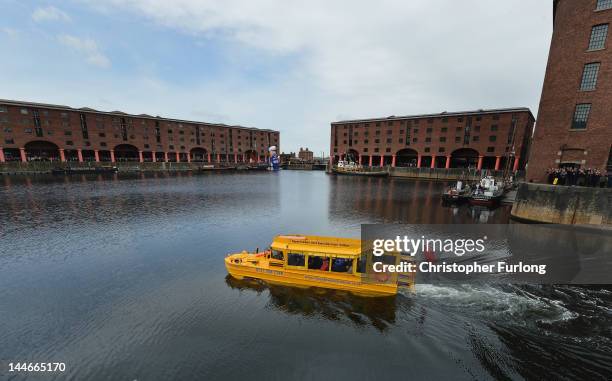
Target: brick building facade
(34, 131)
(306, 154)
(483, 139)
(575, 115)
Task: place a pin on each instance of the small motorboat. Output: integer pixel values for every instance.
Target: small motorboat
(457, 193)
(488, 192)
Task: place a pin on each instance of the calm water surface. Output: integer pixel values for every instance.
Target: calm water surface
(122, 278)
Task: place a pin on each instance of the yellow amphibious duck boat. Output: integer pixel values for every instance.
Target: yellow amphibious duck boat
(313, 261)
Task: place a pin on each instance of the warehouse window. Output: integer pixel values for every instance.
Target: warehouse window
(589, 76)
(581, 116)
(598, 37)
(603, 4)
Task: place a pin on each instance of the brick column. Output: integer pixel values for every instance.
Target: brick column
(153, 156)
(96, 156)
(208, 157)
(360, 159)
(448, 158)
(516, 163)
(189, 157)
(112, 156)
(80, 155)
(479, 163)
(382, 160)
(419, 161)
(370, 160)
(219, 158)
(22, 153)
(235, 158)
(433, 161)
(165, 156)
(62, 155)
(393, 162)
(178, 157)
(140, 158)
(497, 162)
(2, 160)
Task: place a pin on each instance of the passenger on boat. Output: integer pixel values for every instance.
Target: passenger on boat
(325, 264)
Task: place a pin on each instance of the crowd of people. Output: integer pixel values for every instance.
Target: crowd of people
(587, 177)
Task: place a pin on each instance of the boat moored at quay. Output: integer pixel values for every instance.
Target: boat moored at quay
(320, 262)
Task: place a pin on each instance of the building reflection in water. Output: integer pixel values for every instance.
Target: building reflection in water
(402, 201)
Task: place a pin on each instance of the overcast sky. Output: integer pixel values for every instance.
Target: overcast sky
(293, 66)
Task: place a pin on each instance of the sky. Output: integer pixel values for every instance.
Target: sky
(292, 66)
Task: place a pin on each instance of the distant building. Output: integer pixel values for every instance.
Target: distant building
(305, 154)
(575, 116)
(483, 139)
(44, 132)
(287, 157)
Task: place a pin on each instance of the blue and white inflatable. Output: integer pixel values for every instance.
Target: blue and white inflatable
(274, 159)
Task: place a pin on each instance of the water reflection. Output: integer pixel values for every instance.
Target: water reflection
(327, 304)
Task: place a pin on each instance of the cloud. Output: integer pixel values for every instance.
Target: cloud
(10, 32)
(87, 47)
(49, 13)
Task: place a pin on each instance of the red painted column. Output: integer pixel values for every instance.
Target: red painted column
(62, 155)
(22, 153)
(382, 160)
(218, 158)
(360, 159)
(497, 162)
(235, 158)
(153, 156)
(370, 161)
(178, 157)
(96, 156)
(341, 156)
(189, 157)
(80, 155)
(166, 156)
(419, 161)
(208, 157)
(393, 162)
(516, 163)
(433, 161)
(1, 155)
(448, 161)
(112, 156)
(479, 163)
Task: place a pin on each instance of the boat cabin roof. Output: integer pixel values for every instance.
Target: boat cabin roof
(318, 244)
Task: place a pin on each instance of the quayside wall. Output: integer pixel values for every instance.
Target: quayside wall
(11, 168)
(563, 205)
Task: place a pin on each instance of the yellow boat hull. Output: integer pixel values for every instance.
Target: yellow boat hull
(257, 266)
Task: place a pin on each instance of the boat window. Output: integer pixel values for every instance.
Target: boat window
(342, 265)
(276, 254)
(316, 262)
(295, 259)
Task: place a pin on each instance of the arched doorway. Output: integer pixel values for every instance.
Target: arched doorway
(352, 155)
(198, 154)
(251, 156)
(126, 152)
(406, 157)
(464, 158)
(40, 150)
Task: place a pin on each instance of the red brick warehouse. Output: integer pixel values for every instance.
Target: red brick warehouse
(43, 132)
(575, 116)
(483, 139)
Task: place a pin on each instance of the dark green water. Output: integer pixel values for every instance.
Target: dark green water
(122, 278)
